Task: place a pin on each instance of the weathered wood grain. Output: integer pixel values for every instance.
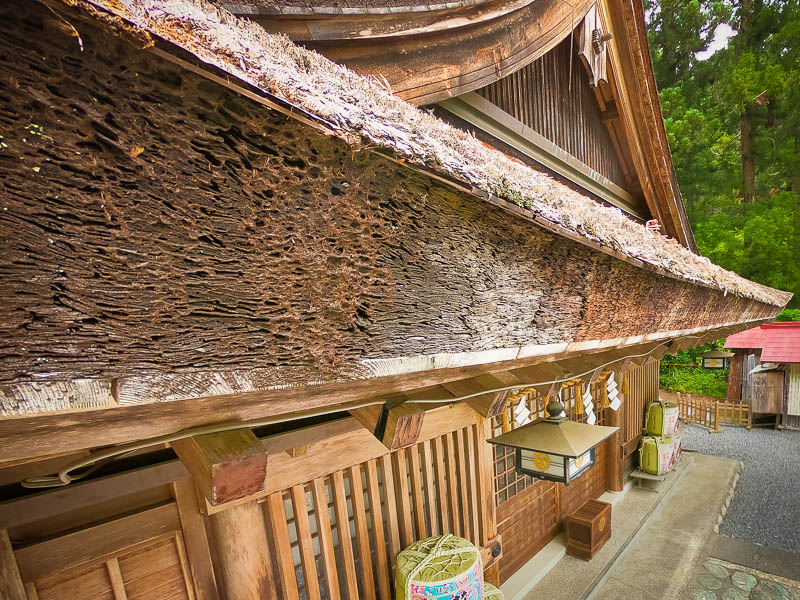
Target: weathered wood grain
(178, 257)
(10, 581)
(92, 543)
(555, 99)
(398, 428)
(276, 513)
(196, 539)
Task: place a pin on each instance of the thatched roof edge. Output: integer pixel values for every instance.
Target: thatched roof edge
(366, 115)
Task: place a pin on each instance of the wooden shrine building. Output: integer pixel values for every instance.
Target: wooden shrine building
(765, 371)
(273, 273)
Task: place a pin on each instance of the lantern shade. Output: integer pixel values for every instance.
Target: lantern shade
(567, 438)
(555, 450)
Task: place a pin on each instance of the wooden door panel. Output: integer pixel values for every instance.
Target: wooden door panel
(112, 561)
(90, 582)
(155, 571)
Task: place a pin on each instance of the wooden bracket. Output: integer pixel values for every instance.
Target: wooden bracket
(226, 466)
(394, 423)
(610, 113)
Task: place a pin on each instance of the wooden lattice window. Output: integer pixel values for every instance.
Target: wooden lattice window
(517, 412)
(339, 534)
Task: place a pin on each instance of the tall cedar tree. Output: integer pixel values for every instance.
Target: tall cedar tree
(733, 123)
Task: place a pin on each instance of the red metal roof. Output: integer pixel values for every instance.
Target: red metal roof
(779, 342)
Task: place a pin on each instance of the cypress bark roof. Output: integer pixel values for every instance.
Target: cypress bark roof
(365, 114)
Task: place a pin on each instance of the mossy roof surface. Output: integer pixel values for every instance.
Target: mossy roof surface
(364, 112)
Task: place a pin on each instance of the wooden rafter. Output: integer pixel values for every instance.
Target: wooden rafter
(226, 466)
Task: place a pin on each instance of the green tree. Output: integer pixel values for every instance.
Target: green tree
(733, 123)
(677, 31)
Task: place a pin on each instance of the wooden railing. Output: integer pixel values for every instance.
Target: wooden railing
(713, 413)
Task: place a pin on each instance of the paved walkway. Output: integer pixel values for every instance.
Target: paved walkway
(715, 578)
(660, 562)
(665, 547)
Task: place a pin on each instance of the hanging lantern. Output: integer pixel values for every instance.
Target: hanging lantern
(554, 448)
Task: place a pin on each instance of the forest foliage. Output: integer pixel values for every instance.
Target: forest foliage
(733, 123)
(676, 377)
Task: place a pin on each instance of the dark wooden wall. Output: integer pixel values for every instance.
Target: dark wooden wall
(539, 95)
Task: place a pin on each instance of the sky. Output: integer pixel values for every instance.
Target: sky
(722, 34)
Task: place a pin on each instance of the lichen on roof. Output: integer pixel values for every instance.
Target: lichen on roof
(367, 115)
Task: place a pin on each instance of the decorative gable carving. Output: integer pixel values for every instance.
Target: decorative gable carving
(592, 46)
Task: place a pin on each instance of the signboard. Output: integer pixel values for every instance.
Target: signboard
(553, 467)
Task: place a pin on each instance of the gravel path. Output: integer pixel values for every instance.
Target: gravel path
(766, 507)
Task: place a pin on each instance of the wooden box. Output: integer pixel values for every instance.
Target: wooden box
(588, 528)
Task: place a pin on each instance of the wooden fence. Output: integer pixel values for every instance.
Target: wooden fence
(713, 413)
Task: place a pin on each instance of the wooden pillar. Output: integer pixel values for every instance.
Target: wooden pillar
(11, 587)
(735, 376)
(492, 574)
(614, 472)
(242, 554)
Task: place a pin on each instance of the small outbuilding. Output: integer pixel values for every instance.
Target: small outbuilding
(765, 371)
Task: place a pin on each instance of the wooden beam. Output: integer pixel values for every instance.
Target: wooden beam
(11, 587)
(226, 466)
(242, 552)
(49, 434)
(481, 113)
(396, 427)
(342, 443)
(541, 377)
(49, 503)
